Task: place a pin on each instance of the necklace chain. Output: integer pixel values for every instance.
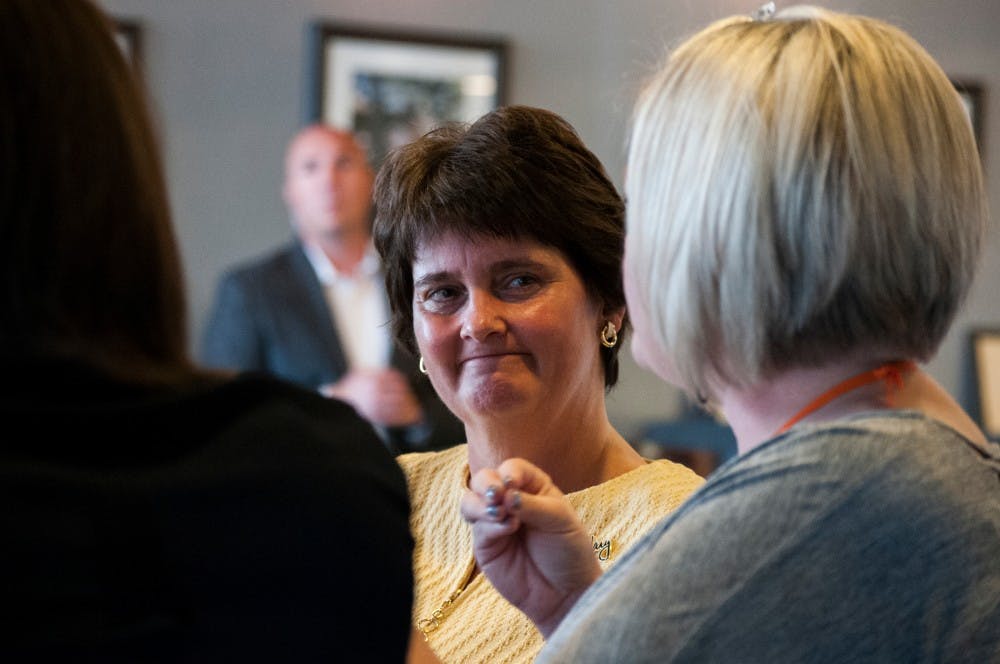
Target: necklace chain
(428, 625)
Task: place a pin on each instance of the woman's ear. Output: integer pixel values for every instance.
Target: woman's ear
(616, 316)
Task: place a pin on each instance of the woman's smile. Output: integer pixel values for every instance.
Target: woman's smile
(492, 359)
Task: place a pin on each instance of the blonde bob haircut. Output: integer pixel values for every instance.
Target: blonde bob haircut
(799, 189)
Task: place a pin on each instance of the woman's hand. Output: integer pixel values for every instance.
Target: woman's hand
(529, 542)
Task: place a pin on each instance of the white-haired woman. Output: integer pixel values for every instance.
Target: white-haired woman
(805, 215)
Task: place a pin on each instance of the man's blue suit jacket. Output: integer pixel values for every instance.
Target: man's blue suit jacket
(271, 315)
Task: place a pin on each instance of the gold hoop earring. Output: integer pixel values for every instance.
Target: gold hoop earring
(422, 366)
(609, 335)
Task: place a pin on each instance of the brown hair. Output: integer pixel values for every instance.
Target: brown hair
(88, 263)
(516, 173)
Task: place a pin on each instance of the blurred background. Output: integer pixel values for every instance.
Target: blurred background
(229, 82)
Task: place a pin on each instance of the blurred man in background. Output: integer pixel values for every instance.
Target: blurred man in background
(315, 311)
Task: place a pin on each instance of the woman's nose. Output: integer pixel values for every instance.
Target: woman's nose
(483, 317)
(332, 177)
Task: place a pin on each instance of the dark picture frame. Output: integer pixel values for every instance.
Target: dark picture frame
(974, 98)
(390, 86)
(128, 35)
(982, 379)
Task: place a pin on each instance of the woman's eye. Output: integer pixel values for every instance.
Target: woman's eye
(520, 286)
(440, 299)
(522, 281)
(440, 294)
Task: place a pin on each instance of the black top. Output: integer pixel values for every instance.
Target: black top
(241, 521)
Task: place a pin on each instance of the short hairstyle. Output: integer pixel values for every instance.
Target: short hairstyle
(88, 263)
(799, 188)
(516, 173)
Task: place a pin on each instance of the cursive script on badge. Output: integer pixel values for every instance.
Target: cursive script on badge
(602, 548)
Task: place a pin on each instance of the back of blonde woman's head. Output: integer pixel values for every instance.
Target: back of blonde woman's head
(799, 188)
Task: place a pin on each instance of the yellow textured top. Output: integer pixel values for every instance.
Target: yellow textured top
(481, 626)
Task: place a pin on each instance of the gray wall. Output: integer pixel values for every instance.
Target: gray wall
(226, 78)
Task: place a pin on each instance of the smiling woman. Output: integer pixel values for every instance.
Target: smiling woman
(493, 317)
(503, 245)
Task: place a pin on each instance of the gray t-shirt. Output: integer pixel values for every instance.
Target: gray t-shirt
(875, 538)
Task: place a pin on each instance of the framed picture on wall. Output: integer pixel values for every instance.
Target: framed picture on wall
(391, 87)
(983, 382)
(128, 34)
(973, 98)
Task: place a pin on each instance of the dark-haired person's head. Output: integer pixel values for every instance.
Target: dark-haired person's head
(518, 174)
(89, 267)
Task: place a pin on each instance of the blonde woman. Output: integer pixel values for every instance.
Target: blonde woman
(805, 215)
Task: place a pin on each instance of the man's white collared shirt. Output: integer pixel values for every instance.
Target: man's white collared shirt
(360, 308)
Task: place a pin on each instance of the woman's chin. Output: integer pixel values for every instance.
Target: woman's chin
(493, 396)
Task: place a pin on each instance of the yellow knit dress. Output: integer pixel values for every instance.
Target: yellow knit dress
(481, 626)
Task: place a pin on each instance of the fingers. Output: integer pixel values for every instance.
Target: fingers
(392, 410)
(375, 380)
(485, 500)
(486, 479)
(390, 379)
(514, 473)
(488, 521)
(526, 476)
(520, 490)
(486, 504)
(382, 396)
(512, 486)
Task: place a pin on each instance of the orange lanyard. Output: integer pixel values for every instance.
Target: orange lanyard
(891, 373)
